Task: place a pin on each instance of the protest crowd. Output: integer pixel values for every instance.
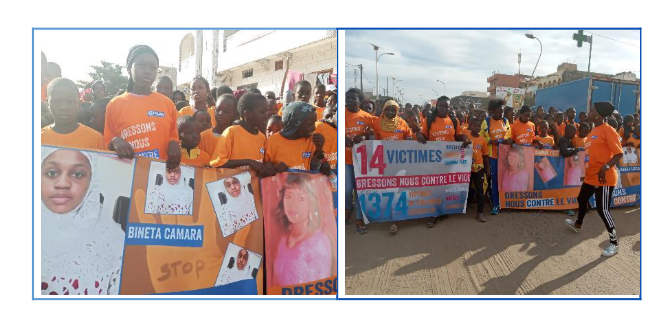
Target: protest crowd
(215, 127)
(601, 132)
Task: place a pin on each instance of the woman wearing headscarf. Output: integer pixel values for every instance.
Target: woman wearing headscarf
(81, 250)
(391, 127)
(238, 208)
(296, 145)
(140, 121)
(241, 269)
(172, 196)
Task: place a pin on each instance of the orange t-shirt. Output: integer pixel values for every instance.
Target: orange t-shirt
(561, 128)
(296, 154)
(355, 123)
(522, 133)
(188, 110)
(209, 141)
(633, 140)
(330, 147)
(479, 147)
(498, 129)
(195, 157)
(147, 123)
(579, 142)
(237, 143)
(402, 131)
(601, 145)
(82, 138)
(442, 129)
(547, 141)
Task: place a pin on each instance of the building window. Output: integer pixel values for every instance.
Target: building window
(247, 87)
(278, 65)
(247, 73)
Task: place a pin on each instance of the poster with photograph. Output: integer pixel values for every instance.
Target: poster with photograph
(171, 192)
(233, 201)
(239, 264)
(300, 234)
(82, 221)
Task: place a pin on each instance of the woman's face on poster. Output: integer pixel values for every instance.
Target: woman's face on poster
(232, 186)
(66, 175)
(514, 159)
(241, 261)
(173, 176)
(296, 205)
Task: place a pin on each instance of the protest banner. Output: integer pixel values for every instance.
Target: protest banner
(628, 188)
(513, 97)
(300, 234)
(146, 230)
(398, 180)
(540, 179)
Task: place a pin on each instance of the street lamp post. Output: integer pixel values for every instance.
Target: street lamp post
(376, 48)
(444, 86)
(437, 94)
(541, 50)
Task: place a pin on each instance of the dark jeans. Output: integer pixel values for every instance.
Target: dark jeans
(603, 200)
(478, 178)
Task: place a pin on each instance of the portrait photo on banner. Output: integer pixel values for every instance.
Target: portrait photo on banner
(233, 201)
(575, 169)
(239, 264)
(516, 164)
(170, 191)
(82, 221)
(300, 228)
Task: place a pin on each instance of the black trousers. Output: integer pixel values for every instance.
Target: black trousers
(603, 200)
(478, 178)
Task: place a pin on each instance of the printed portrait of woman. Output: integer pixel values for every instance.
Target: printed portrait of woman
(304, 252)
(81, 251)
(574, 170)
(234, 204)
(516, 168)
(170, 191)
(239, 264)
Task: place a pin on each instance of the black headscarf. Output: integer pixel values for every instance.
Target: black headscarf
(292, 117)
(132, 54)
(604, 108)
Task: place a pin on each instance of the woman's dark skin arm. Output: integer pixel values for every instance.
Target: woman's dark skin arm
(174, 155)
(601, 174)
(121, 147)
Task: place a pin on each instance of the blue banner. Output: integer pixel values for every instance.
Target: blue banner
(164, 235)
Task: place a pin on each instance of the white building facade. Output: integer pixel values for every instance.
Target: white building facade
(255, 58)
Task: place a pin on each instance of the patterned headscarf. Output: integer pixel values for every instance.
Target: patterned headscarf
(292, 117)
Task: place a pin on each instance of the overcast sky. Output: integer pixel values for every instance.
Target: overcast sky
(464, 60)
(76, 50)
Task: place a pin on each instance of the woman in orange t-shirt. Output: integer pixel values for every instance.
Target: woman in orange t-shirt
(141, 121)
(604, 152)
(391, 127)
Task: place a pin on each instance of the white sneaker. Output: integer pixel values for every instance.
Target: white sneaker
(611, 250)
(571, 224)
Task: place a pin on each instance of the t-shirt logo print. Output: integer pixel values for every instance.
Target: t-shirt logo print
(156, 114)
(306, 154)
(261, 151)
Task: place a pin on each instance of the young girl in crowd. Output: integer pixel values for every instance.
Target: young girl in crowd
(202, 117)
(141, 121)
(523, 130)
(200, 90)
(496, 130)
(480, 166)
(63, 102)
(225, 114)
(189, 139)
(544, 140)
(242, 145)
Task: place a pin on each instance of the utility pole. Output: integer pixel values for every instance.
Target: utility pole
(361, 73)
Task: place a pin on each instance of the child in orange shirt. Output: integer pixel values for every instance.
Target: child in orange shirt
(319, 96)
(200, 91)
(189, 139)
(225, 114)
(302, 92)
(634, 139)
(296, 145)
(544, 141)
(141, 121)
(63, 101)
(327, 127)
(522, 131)
(580, 140)
(242, 145)
(604, 152)
(480, 166)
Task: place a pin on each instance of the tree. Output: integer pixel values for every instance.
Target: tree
(111, 73)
